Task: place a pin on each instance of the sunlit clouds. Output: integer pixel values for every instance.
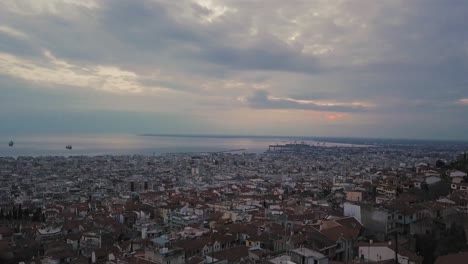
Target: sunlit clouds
(261, 99)
(58, 72)
(336, 116)
(55, 7)
(12, 32)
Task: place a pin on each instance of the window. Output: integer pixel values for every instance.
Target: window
(400, 217)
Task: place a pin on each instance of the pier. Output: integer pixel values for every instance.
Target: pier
(290, 147)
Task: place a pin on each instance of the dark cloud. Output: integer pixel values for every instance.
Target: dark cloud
(201, 10)
(267, 53)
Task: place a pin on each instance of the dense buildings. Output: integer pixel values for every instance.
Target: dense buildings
(325, 205)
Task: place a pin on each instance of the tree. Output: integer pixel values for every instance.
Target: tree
(26, 214)
(37, 215)
(440, 164)
(452, 240)
(14, 213)
(20, 212)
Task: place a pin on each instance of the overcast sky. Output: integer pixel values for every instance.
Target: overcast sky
(272, 67)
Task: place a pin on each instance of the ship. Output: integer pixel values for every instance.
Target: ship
(68, 147)
(11, 143)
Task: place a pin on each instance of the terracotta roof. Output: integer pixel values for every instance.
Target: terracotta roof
(80, 260)
(403, 208)
(320, 240)
(232, 254)
(349, 222)
(432, 205)
(347, 228)
(193, 244)
(138, 260)
(264, 237)
(337, 232)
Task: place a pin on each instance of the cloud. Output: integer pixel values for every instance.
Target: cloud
(374, 59)
(54, 7)
(463, 101)
(264, 53)
(12, 32)
(261, 99)
(336, 116)
(59, 72)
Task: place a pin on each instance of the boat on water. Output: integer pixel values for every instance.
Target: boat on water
(68, 147)
(11, 143)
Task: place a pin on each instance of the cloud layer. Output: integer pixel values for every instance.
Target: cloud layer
(326, 65)
(261, 99)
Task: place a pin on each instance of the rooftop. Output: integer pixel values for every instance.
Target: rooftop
(308, 253)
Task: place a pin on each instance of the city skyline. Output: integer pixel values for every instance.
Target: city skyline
(391, 69)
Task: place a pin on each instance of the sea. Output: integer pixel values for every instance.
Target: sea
(95, 145)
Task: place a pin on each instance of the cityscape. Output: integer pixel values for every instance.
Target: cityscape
(294, 203)
(233, 132)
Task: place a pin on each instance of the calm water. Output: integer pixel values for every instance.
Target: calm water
(135, 144)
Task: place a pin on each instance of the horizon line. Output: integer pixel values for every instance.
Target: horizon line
(298, 137)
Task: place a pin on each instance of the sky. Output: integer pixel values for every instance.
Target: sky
(361, 68)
